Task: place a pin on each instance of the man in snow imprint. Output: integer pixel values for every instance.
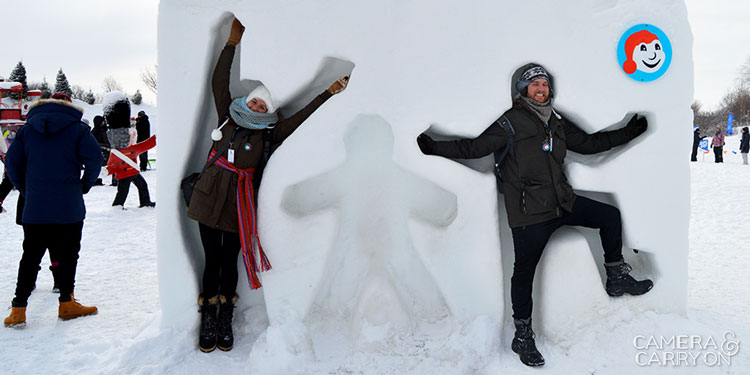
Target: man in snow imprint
(223, 201)
(538, 198)
(44, 163)
(644, 52)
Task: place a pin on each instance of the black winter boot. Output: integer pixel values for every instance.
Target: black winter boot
(620, 282)
(207, 338)
(226, 309)
(524, 345)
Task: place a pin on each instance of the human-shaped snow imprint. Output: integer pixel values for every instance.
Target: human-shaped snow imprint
(373, 274)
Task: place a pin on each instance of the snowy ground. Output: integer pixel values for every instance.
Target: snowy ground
(117, 273)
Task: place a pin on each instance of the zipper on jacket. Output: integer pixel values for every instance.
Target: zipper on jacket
(549, 167)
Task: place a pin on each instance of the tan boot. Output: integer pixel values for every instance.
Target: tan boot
(17, 316)
(72, 309)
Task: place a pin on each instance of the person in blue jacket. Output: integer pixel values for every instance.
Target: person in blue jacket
(44, 163)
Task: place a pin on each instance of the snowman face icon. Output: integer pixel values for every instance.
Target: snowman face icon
(648, 57)
(644, 53)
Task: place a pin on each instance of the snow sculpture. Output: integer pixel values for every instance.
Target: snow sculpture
(419, 63)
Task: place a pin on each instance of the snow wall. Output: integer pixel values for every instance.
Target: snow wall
(361, 228)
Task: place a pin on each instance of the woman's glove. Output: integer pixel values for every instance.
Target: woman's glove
(635, 127)
(235, 34)
(339, 85)
(426, 144)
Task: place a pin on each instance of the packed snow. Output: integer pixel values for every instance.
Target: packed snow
(117, 273)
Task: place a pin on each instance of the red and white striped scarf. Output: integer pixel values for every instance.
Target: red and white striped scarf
(252, 252)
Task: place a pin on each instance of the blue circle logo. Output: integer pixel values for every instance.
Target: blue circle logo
(644, 52)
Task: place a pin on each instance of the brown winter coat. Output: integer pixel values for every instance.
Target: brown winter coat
(214, 200)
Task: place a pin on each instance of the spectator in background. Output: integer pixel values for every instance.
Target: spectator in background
(117, 115)
(100, 133)
(696, 142)
(143, 126)
(5, 187)
(717, 143)
(744, 145)
(44, 163)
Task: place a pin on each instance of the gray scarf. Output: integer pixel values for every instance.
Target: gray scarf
(245, 118)
(541, 110)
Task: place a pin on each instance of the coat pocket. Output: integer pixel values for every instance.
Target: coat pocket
(205, 184)
(537, 198)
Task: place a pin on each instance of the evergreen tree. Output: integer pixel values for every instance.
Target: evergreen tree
(137, 98)
(44, 88)
(90, 99)
(19, 75)
(62, 85)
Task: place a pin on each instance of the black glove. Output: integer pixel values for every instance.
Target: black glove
(84, 189)
(426, 144)
(635, 127)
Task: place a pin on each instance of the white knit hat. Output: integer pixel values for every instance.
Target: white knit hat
(261, 92)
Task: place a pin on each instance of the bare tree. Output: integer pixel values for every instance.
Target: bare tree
(78, 92)
(148, 76)
(743, 81)
(110, 84)
(696, 107)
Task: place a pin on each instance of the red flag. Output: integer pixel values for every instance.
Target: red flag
(120, 167)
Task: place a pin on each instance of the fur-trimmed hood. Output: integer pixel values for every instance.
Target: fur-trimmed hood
(49, 116)
(58, 101)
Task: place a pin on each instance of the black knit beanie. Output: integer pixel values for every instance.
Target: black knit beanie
(118, 114)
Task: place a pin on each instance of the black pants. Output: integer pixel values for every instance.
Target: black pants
(5, 186)
(221, 249)
(718, 154)
(123, 187)
(694, 155)
(529, 243)
(143, 158)
(62, 240)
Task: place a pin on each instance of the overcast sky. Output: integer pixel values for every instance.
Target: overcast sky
(721, 45)
(93, 39)
(88, 39)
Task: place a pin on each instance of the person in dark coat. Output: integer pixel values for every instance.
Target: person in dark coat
(213, 205)
(538, 197)
(5, 187)
(696, 142)
(117, 114)
(744, 145)
(143, 127)
(44, 163)
(100, 133)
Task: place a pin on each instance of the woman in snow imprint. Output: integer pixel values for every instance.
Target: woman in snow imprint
(223, 201)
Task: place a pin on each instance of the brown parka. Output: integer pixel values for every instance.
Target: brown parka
(214, 200)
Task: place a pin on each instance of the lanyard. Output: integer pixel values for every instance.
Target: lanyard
(547, 145)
